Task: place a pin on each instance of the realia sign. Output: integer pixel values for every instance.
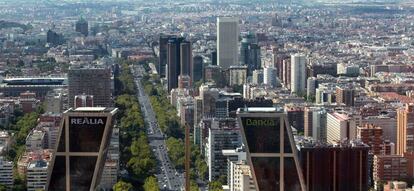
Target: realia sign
(86, 121)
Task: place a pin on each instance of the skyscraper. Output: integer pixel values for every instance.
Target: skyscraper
(227, 40)
(271, 151)
(90, 81)
(214, 58)
(81, 26)
(405, 124)
(311, 87)
(298, 74)
(186, 59)
(173, 61)
(315, 123)
(250, 53)
(269, 76)
(163, 48)
(340, 126)
(81, 150)
(198, 68)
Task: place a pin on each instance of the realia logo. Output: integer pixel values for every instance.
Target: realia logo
(86, 121)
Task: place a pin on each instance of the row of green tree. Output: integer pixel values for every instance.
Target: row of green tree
(19, 128)
(136, 154)
(170, 125)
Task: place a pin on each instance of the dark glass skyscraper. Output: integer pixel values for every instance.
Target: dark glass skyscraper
(271, 151)
(198, 68)
(179, 60)
(186, 59)
(82, 27)
(163, 54)
(83, 141)
(250, 53)
(173, 62)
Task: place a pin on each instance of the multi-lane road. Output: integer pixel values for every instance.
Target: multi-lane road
(168, 177)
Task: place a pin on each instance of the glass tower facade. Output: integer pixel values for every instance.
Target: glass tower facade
(83, 143)
(271, 151)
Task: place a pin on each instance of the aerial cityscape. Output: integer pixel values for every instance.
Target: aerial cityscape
(207, 95)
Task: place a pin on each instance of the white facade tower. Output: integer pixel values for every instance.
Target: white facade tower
(298, 74)
(227, 41)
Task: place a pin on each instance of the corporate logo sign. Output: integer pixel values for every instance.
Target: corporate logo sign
(86, 121)
(91, 122)
(262, 134)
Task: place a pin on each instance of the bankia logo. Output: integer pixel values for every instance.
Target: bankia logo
(260, 122)
(86, 121)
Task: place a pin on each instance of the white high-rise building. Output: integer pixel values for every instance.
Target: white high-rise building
(298, 73)
(227, 41)
(269, 76)
(339, 127)
(37, 175)
(6, 172)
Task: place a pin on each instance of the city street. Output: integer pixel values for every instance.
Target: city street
(168, 177)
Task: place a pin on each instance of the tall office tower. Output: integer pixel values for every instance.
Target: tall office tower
(286, 65)
(198, 112)
(372, 136)
(83, 101)
(345, 95)
(339, 167)
(238, 75)
(53, 38)
(81, 26)
(90, 81)
(298, 74)
(173, 62)
(186, 59)
(250, 53)
(269, 77)
(163, 48)
(223, 134)
(227, 42)
(82, 149)
(198, 68)
(311, 87)
(271, 150)
(257, 77)
(315, 123)
(214, 58)
(339, 127)
(405, 124)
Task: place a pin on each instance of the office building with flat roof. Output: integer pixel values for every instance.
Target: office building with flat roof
(271, 151)
(82, 148)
